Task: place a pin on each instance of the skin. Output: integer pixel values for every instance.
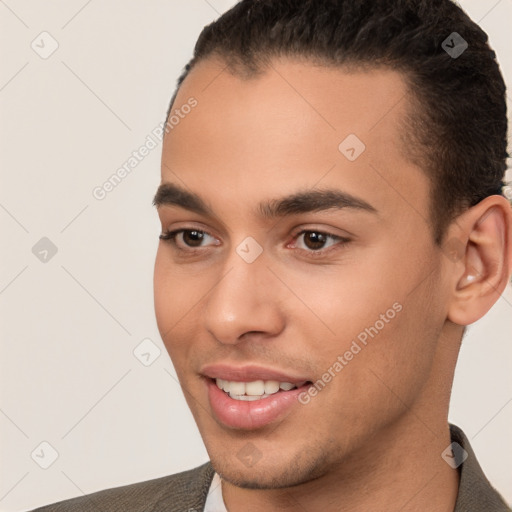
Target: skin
(372, 438)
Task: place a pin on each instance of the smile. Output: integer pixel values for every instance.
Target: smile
(254, 390)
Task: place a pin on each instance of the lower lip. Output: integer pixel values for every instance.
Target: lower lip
(251, 415)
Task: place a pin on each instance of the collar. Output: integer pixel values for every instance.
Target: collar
(475, 491)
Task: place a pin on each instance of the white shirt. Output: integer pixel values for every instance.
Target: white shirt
(214, 500)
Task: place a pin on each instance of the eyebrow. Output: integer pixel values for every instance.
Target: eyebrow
(171, 194)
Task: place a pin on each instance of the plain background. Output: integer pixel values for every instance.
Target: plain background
(69, 325)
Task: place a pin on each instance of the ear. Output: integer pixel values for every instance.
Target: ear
(480, 247)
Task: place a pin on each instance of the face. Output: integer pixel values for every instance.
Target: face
(296, 255)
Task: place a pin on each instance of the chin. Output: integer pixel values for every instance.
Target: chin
(270, 480)
(270, 474)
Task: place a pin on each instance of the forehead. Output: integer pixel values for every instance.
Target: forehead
(294, 125)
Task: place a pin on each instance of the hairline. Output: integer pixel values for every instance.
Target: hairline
(411, 125)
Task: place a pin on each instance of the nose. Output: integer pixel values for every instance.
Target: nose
(247, 299)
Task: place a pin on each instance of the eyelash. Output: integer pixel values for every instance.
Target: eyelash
(170, 237)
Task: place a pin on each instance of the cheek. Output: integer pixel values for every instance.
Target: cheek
(163, 296)
(384, 334)
(343, 300)
(172, 300)
(373, 382)
(395, 362)
(174, 289)
(179, 293)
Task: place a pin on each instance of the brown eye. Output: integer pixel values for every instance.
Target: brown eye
(186, 238)
(193, 238)
(314, 240)
(318, 243)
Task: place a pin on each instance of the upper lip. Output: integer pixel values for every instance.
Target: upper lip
(248, 373)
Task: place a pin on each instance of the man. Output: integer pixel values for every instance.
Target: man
(332, 219)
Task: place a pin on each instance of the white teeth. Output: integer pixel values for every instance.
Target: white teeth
(256, 387)
(236, 388)
(271, 387)
(254, 390)
(247, 398)
(221, 383)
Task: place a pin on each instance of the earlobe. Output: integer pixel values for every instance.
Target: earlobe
(483, 270)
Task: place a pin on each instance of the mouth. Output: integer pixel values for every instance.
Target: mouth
(251, 397)
(256, 389)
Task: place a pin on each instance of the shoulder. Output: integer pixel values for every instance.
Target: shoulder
(475, 491)
(179, 492)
